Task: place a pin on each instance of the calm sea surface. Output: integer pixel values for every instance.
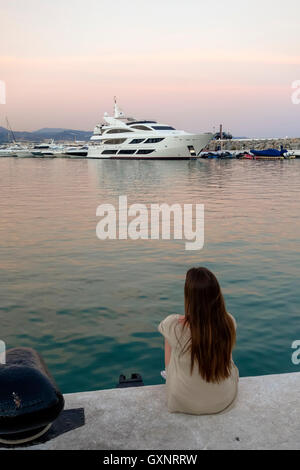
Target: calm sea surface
(92, 307)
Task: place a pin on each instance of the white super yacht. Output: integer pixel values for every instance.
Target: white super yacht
(124, 137)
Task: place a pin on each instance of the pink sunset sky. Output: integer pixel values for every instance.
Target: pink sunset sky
(191, 64)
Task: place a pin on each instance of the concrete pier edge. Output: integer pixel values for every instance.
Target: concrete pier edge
(265, 415)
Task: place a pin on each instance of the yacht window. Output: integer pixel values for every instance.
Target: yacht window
(192, 150)
(136, 141)
(117, 131)
(109, 152)
(142, 122)
(141, 128)
(154, 140)
(163, 128)
(144, 151)
(126, 152)
(114, 141)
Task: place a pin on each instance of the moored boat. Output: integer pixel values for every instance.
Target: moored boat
(223, 155)
(295, 153)
(24, 153)
(77, 152)
(122, 137)
(49, 150)
(269, 152)
(13, 151)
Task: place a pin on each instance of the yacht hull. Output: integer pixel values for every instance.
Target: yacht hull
(23, 154)
(76, 154)
(175, 147)
(7, 153)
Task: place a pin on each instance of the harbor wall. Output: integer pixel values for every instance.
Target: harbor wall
(265, 415)
(257, 144)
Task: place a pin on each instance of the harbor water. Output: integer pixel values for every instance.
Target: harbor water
(92, 307)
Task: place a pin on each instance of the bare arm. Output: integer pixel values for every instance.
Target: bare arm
(167, 353)
(162, 330)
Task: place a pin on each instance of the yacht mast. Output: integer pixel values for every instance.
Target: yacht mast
(11, 131)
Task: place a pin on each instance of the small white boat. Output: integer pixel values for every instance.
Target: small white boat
(77, 152)
(12, 150)
(5, 152)
(24, 153)
(47, 150)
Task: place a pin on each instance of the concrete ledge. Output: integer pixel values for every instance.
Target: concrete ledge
(266, 415)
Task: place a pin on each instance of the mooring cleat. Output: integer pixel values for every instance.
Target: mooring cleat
(135, 381)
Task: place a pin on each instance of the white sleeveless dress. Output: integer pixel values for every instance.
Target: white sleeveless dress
(190, 393)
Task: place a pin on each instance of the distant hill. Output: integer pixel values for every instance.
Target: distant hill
(45, 133)
(46, 130)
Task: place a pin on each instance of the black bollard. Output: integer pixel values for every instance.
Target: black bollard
(29, 398)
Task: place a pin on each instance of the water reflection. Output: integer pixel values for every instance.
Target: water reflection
(92, 307)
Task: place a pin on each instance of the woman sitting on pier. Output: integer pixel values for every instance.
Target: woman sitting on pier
(201, 375)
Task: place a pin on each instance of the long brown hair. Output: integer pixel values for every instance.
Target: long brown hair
(212, 328)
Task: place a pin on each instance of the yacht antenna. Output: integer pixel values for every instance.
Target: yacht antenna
(115, 106)
(118, 112)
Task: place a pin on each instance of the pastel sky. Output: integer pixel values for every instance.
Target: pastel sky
(188, 63)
